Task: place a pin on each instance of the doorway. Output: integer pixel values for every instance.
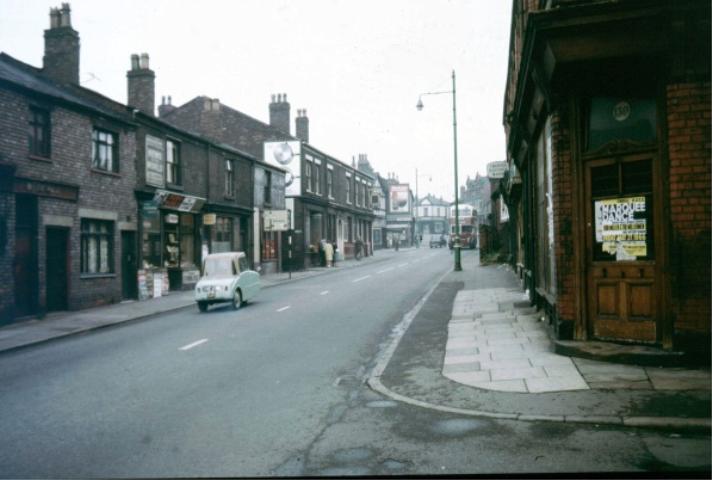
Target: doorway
(57, 268)
(129, 279)
(623, 294)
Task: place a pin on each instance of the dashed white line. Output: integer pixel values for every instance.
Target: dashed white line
(402, 264)
(194, 344)
(283, 308)
(361, 278)
(385, 270)
(324, 292)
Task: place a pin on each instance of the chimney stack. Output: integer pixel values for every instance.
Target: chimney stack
(279, 113)
(141, 84)
(165, 107)
(302, 125)
(61, 55)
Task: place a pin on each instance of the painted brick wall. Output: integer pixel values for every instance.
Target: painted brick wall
(688, 118)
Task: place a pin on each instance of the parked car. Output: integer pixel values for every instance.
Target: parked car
(226, 277)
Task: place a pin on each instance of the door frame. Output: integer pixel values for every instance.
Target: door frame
(661, 201)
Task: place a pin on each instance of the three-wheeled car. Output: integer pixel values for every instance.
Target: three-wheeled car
(226, 277)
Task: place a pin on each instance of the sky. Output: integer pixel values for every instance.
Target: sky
(357, 67)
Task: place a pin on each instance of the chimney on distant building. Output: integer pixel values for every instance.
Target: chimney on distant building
(302, 125)
(165, 107)
(61, 55)
(141, 85)
(279, 112)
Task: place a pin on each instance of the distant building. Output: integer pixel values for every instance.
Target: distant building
(477, 192)
(431, 216)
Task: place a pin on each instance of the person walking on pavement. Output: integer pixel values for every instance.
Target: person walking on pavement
(329, 254)
(359, 249)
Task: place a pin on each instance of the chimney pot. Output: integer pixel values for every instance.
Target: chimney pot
(144, 61)
(284, 97)
(66, 19)
(170, 100)
(141, 85)
(134, 61)
(54, 18)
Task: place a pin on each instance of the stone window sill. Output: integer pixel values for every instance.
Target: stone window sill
(104, 172)
(91, 276)
(40, 158)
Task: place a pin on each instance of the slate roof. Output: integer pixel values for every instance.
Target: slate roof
(30, 78)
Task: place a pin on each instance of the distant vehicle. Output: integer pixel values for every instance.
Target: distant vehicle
(226, 277)
(437, 241)
(468, 231)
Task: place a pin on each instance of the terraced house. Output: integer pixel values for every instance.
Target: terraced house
(607, 116)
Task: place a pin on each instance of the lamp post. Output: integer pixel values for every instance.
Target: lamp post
(419, 106)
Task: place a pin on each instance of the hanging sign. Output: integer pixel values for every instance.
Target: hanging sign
(621, 227)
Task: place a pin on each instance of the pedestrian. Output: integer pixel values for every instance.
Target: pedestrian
(359, 248)
(329, 254)
(336, 253)
(322, 255)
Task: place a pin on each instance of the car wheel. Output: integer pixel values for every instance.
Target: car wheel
(237, 300)
(203, 306)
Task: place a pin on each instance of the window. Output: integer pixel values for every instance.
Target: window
(269, 246)
(330, 182)
(425, 211)
(173, 162)
(39, 132)
(268, 187)
(348, 188)
(223, 235)
(104, 151)
(97, 246)
(316, 186)
(229, 178)
(308, 175)
(612, 119)
(545, 212)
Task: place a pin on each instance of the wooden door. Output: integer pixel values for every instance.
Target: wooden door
(129, 265)
(621, 219)
(57, 268)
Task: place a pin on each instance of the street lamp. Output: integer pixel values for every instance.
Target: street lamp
(419, 106)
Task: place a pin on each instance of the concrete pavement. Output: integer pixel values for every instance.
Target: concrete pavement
(476, 348)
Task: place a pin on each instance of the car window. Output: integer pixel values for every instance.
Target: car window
(243, 264)
(218, 267)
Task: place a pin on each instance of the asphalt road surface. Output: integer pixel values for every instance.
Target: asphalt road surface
(277, 389)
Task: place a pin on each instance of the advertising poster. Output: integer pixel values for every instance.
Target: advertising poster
(155, 162)
(400, 199)
(287, 156)
(621, 227)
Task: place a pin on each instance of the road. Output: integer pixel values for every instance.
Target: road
(277, 389)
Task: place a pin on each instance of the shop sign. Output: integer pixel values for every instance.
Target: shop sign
(621, 227)
(276, 220)
(496, 169)
(176, 201)
(155, 162)
(171, 218)
(209, 219)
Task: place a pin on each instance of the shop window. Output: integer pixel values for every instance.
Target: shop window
(173, 162)
(269, 246)
(97, 246)
(622, 203)
(171, 252)
(104, 151)
(223, 241)
(39, 134)
(612, 119)
(544, 212)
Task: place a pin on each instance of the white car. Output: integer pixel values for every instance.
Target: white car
(226, 277)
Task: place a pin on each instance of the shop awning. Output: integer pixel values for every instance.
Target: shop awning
(177, 201)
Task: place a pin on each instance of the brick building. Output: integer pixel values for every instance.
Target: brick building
(607, 116)
(327, 199)
(66, 184)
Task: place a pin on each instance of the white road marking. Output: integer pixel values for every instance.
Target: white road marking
(402, 264)
(324, 292)
(385, 270)
(194, 344)
(362, 278)
(283, 308)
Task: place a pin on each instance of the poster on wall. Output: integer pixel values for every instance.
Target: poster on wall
(400, 198)
(621, 227)
(287, 156)
(155, 162)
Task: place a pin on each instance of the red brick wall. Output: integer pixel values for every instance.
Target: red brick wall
(688, 121)
(563, 214)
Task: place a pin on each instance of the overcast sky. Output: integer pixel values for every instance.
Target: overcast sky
(356, 66)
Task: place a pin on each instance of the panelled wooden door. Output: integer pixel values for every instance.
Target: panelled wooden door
(57, 268)
(621, 221)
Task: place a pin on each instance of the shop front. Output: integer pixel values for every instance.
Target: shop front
(170, 243)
